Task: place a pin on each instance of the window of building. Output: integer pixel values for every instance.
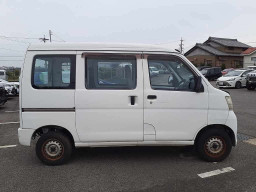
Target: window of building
(104, 72)
(253, 59)
(54, 72)
(170, 74)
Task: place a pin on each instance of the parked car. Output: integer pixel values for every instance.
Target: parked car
(212, 73)
(225, 71)
(12, 88)
(182, 108)
(236, 78)
(203, 67)
(3, 97)
(251, 80)
(252, 67)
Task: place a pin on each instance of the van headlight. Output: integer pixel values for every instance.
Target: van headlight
(229, 102)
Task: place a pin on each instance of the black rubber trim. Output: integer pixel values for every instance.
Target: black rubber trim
(48, 109)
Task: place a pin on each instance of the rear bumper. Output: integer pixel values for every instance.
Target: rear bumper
(25, 136)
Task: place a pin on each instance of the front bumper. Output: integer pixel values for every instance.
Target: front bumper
(225, 84)
(25, 136)
(232, 123)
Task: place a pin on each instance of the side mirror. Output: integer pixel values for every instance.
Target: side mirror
(170, 79)
(199, 86)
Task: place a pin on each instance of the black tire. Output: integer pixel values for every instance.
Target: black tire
(58, 143)
(249, 86)
(238, 85)
(208, 141)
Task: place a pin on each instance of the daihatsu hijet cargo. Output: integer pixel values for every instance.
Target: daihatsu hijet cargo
(91, 95)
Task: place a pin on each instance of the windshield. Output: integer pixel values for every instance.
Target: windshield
(233, 73)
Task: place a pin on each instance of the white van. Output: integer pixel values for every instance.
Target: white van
(3, 75)
(93, 95)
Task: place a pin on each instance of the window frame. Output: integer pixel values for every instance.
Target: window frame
(72, 84)
(166, 57)
(109, 56)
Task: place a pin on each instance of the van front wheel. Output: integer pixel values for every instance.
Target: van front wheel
(214, 145)
(54, 148)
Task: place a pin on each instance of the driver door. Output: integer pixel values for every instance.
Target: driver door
(171, 105)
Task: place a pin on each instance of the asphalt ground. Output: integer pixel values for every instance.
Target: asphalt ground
(130, 168)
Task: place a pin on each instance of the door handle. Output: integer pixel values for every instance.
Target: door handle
(152, 97)
(132, 100)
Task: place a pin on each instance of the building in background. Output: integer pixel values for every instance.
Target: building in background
(218, 52)
(249, 57)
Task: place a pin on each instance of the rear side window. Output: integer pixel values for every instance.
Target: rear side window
(53, 72)
(103, 72)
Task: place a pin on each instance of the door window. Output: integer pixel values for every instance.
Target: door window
(54, 72)
(110, 73)
(170, 74)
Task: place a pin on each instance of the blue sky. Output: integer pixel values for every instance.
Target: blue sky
(161, 22)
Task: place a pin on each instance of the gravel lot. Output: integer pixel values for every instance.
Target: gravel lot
(129, 168)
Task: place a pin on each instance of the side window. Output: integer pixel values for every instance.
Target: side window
(170, 74)
(110, 72)
(53, 72)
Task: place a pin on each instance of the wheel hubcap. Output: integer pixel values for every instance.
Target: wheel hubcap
(52, 149)
(214, 145)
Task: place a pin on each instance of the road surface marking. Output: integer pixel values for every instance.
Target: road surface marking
(6, 123)
(251, 141)
(216, 172)
(7, 146)
(11, 111)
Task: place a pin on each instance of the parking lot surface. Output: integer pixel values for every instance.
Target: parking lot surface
(131, 168)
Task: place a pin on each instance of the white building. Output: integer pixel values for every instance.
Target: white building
(249, 57)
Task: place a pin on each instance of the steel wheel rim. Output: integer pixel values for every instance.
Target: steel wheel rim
(215, 146)
(52, 149)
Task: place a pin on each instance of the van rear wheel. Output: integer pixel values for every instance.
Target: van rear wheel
(54, 148)
(214, 145)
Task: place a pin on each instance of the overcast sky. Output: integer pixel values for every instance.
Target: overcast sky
(130, 21)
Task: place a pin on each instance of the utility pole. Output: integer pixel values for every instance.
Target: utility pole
(181, 45)
(50, 34)
(43, 39)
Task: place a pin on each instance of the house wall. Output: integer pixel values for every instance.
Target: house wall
(230, 62)
(200, 57)
(248, 61)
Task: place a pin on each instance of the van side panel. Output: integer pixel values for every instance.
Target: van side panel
(44, 98)
(42, 107)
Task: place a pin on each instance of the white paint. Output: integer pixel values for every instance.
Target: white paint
(251, 141)
(6, 123)
(105, 117)
(11, 111)
(7, 146)
(216, 172)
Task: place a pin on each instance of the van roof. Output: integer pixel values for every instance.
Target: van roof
(97, 47)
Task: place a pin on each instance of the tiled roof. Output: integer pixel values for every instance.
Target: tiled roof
(249, 51)
(227, 42)
(211, 50)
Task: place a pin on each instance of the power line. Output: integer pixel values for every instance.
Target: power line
(12, 50)
(8, 37)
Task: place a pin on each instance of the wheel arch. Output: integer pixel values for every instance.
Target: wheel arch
(229, 131)
(55, 128)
